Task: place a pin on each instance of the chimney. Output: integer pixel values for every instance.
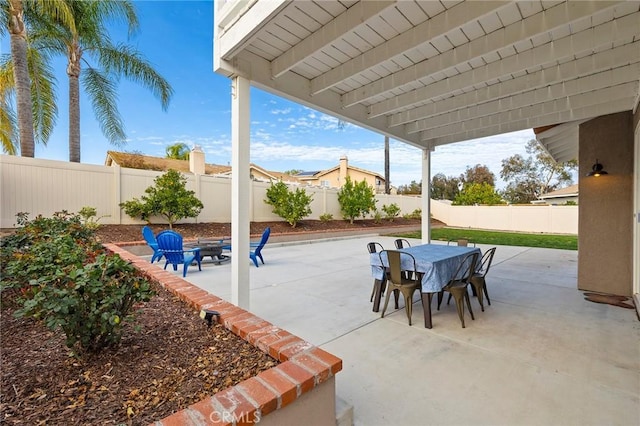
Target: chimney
(342, 177)
(196, 160)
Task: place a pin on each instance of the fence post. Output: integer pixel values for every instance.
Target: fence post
(116, 211)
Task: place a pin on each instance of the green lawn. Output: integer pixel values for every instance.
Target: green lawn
(565, 242)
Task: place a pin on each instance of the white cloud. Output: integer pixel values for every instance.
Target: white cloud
(281, 111)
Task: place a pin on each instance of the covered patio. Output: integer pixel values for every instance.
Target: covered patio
(540, 354)
(431, 73)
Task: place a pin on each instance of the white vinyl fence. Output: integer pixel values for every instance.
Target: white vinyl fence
(44, 187)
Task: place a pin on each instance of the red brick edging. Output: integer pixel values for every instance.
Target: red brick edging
(303, 366)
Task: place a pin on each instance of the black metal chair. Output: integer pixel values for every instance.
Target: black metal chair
(478, 280)
(374, 247)
(457, 285)
(462, 242)
(398, 281)
(401, 243)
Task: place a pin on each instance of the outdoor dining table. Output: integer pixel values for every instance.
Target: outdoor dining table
(434, 262)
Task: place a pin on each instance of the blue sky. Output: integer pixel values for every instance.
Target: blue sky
(177, 38)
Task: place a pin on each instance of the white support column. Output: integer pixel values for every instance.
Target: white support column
(426, 196)
(240, 192)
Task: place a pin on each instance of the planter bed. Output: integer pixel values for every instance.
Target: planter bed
(300, 389)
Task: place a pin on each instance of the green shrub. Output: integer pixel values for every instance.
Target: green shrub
(169, 198)
(292, 206)
(391, 211)
(89, 303)
(326, 217)
(356, 199)
(67, 280)
(376, 216)
(90, 217)
(416, 214)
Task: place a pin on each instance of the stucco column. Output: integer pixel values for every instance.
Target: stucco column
(240, 191)
(426, 196)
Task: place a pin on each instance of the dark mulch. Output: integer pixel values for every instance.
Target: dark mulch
(128, 233)
(174, 360)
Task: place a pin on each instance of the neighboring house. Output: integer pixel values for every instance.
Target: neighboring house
(195, 164)
(560, 196)
(336, 176)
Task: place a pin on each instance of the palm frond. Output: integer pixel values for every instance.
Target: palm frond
(59, 11)
(43, 94)
(102, 92)
(126, 61)
(8, 124)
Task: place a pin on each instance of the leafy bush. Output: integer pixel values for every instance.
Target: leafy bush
(356, 199)
(169, 198)
(89, 303)
(376, 215)
(391, 211)
(292, 206)
(67, 280)
(478, 193)
(326, 217)
(90, 217)
(416, 214)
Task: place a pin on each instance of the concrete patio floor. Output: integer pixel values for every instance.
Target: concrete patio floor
(539, 355)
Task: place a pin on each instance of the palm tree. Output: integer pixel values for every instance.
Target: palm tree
(178, 151)
(90, 39)
(43, 98)
(14, 12)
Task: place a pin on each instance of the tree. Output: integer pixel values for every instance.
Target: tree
(168, 198)
(413, 188)
(43, 97)
(356, 199)
(14, 12)
(528, 178)
(89, 38)
(292, 206)
(478, 193)
(292, 172)
(178, 151)
(478, 174)
(444, 187)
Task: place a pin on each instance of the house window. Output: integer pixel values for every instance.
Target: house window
(378, 182)
(324, 183)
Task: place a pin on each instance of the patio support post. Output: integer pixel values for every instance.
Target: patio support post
(426, 196)
(240, 191)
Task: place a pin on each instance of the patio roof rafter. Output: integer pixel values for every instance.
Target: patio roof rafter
(563, 116)
(583, 89)
(476, 49)
(433, 28)
(598, 65)
(564, 49)
(330, 32)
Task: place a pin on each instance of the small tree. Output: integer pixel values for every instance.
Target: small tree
(391, 211)
(292, 206)
(356, 199)
(478, 193)
(169, 198)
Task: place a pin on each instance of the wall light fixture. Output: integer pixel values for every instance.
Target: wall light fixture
(597, 170)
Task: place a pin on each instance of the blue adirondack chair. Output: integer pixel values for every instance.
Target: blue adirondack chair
(256, 248)
(147, 233)
(170, 245)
